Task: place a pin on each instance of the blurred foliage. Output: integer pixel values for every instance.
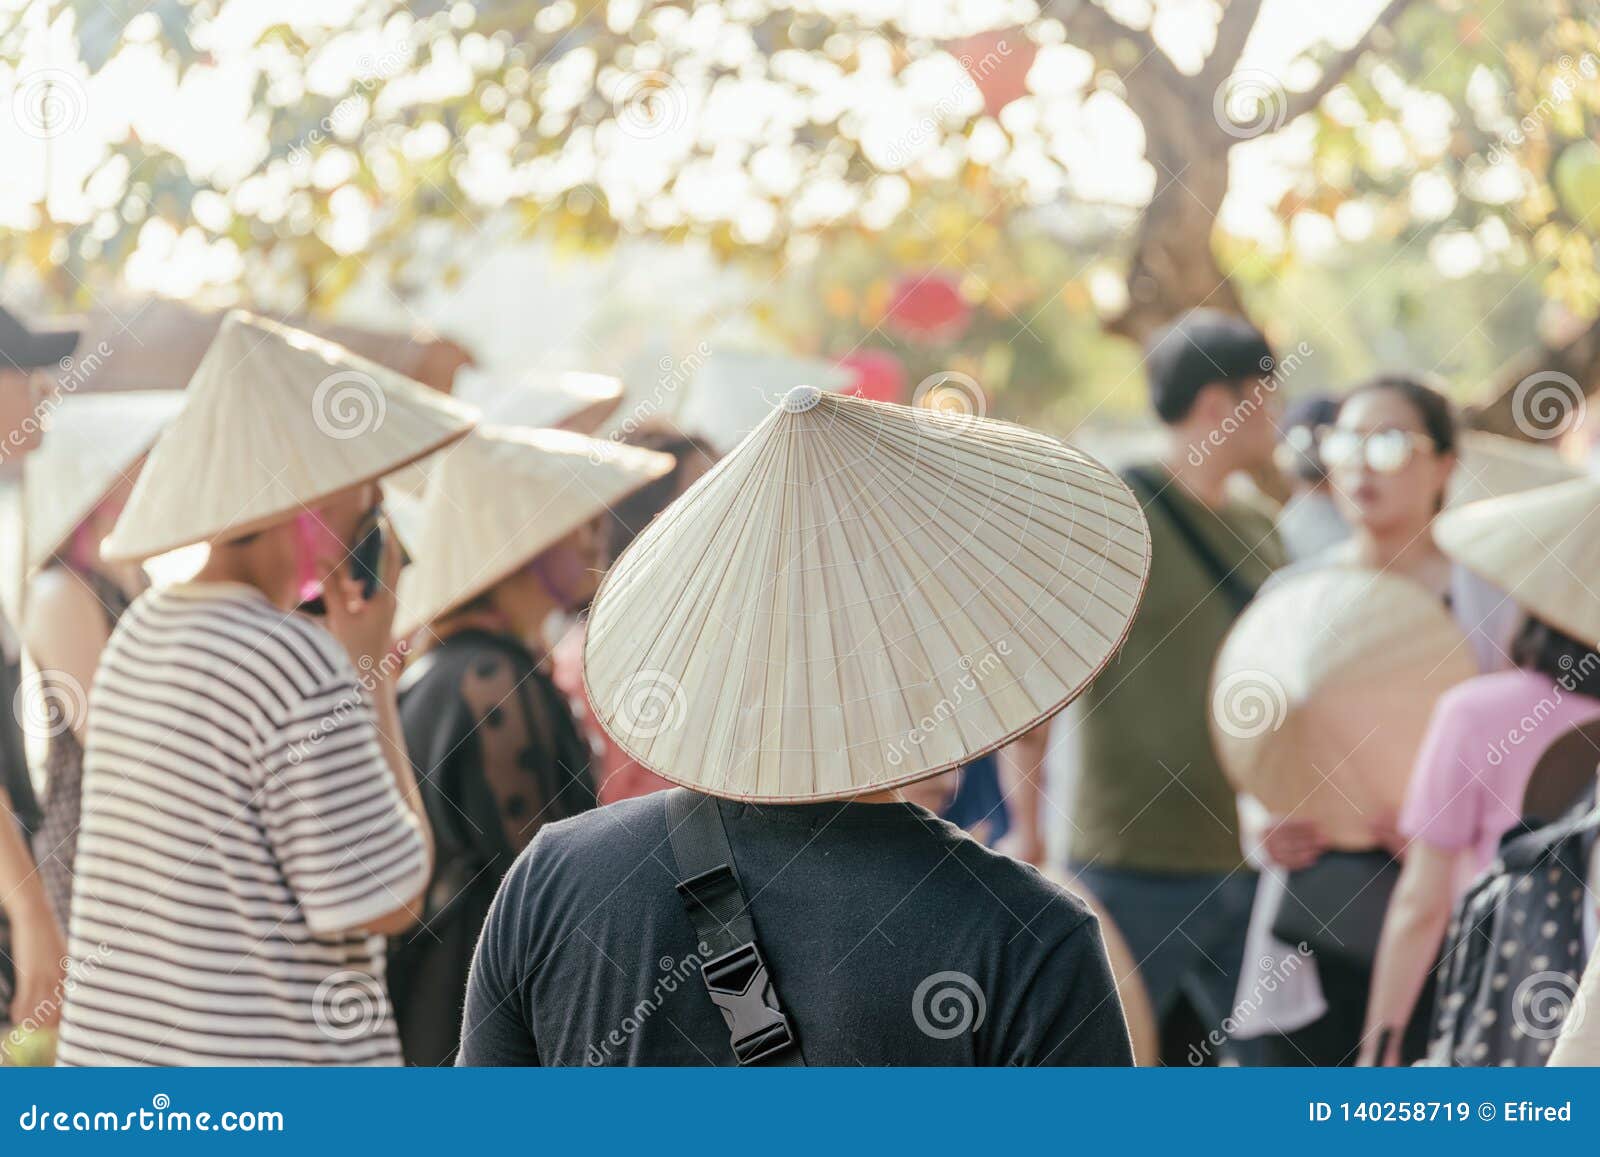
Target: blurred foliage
(742, 125)
(1514, 180)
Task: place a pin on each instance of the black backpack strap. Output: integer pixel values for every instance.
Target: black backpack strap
(1236, 590)
(735, 971)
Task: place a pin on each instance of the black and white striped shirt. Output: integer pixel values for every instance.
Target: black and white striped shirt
(240, 824)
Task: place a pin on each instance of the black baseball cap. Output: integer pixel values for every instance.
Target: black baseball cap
(22, 348)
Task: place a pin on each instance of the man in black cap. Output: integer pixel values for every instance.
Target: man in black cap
(23, 353)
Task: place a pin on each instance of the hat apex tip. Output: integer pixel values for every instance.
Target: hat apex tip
(799, 399)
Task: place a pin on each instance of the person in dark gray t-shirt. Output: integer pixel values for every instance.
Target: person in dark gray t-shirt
(897, 939)
(859, 597)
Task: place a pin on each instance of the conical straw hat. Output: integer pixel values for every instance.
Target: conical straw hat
(734, 390)
(580, 402)
(405, 513)
(1542, 547)
(1489, 465)
(92, 442)
(501, 497)
(859, 596)
(276, 420)
(1321, 693)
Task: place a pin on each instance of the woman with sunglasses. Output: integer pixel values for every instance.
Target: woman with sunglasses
(1389, 456)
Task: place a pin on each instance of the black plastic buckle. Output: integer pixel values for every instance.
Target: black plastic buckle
(742, 989)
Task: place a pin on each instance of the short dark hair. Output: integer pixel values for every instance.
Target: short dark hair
(1202, 347)
(1551, 651)
(1435, 410)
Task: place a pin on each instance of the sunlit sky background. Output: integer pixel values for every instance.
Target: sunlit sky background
(207, 118)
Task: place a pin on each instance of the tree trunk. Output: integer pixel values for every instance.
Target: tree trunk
(1539, 393)
(1173, 267)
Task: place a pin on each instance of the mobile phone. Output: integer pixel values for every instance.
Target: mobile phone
(365, 563)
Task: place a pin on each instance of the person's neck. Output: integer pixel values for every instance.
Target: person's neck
(889, 795)
(526, 612)
(1205, 481)
(1409, 552)
(230, 565)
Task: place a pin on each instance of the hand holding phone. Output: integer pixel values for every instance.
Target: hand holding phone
(360, 610)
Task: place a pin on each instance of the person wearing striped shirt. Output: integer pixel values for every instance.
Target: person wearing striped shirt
(251, 826)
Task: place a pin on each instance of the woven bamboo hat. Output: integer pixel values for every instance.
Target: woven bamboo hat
(1489, 465)
(1542, 547)
(91, 443)
(862, 595)
(734, 390)
(1322, 691)
(499, 499)
(276, 420)
(580, 402)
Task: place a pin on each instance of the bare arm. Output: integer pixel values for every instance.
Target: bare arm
(365, 627)
(1022, 783)
(39, 949)
(386, 706)
(64, 632)
(1412, 932)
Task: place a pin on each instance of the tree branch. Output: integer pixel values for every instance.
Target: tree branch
(1336, 69)
(1093, 29)
(1234, 26)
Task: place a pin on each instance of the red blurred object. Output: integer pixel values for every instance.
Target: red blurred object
(998, 62)
(880, 376)
(928, 307)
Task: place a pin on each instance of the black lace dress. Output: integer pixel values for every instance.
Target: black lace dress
(498, 755)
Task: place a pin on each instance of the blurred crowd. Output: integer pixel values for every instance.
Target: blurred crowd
(890, 736)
